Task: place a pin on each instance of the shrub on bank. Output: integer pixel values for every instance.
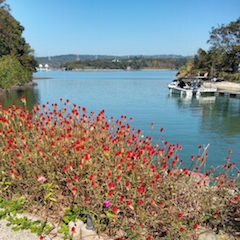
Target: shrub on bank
(232, 77)
(12, 73)
(58, 157)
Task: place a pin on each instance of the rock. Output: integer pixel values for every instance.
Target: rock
(207, 236)
(225, 236)
(80, 231)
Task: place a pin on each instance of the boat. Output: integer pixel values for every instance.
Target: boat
(189, 87)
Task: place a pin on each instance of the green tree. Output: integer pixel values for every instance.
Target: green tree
(225, 46)
(202, 61)
(223, 57)
(12, 44)
(12, 72)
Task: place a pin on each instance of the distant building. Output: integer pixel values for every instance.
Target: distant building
(115, 60)
(43, 67)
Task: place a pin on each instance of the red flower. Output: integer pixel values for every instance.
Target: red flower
(74, 190)
(73, 229)
(195, 226)
(180, 215)
(114, 209)
(127, 184)
(181, 229)
(75, 177)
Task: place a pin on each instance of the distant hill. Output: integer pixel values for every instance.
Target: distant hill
(58, 61)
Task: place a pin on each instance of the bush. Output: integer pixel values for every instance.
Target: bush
(232, 77)
(131, 188)
(12, 73)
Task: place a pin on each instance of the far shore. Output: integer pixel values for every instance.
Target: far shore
(110, 70)
(41, 78)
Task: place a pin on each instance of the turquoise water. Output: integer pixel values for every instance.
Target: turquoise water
(144, 96)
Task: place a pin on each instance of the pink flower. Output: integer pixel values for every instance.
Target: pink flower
(41, 179)
(106, 203)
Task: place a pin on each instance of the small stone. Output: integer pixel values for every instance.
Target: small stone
(207, 236)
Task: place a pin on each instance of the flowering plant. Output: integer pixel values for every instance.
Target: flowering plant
(131, 187)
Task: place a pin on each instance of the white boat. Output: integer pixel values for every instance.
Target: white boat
(189, 87)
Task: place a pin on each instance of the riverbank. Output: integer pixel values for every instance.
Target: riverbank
(29, 84)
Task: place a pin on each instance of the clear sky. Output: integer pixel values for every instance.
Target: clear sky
(121, 27)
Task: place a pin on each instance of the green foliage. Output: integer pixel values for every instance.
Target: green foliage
(187, 69)
(12, 72)
(11, 206)
(223, 57)
(14, 47)
(71, 215)
(26, 224)
(10, 209)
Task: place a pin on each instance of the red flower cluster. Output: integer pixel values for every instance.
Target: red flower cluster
(89, 159)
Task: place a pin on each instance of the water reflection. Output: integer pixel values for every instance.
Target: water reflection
(219, 114)
(14, 96)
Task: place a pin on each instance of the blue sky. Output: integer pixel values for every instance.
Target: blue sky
(121, 27)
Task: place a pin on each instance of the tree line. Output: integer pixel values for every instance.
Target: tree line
(134, 63)
(222, 60)
(17, 62)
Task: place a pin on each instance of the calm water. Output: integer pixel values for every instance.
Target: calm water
(144, 96)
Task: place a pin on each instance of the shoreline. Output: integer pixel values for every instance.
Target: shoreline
(110, 70)
(40, 78)
(29, 84)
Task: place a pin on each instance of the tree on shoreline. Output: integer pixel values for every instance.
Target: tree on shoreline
(13, 44)
(223, 57)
